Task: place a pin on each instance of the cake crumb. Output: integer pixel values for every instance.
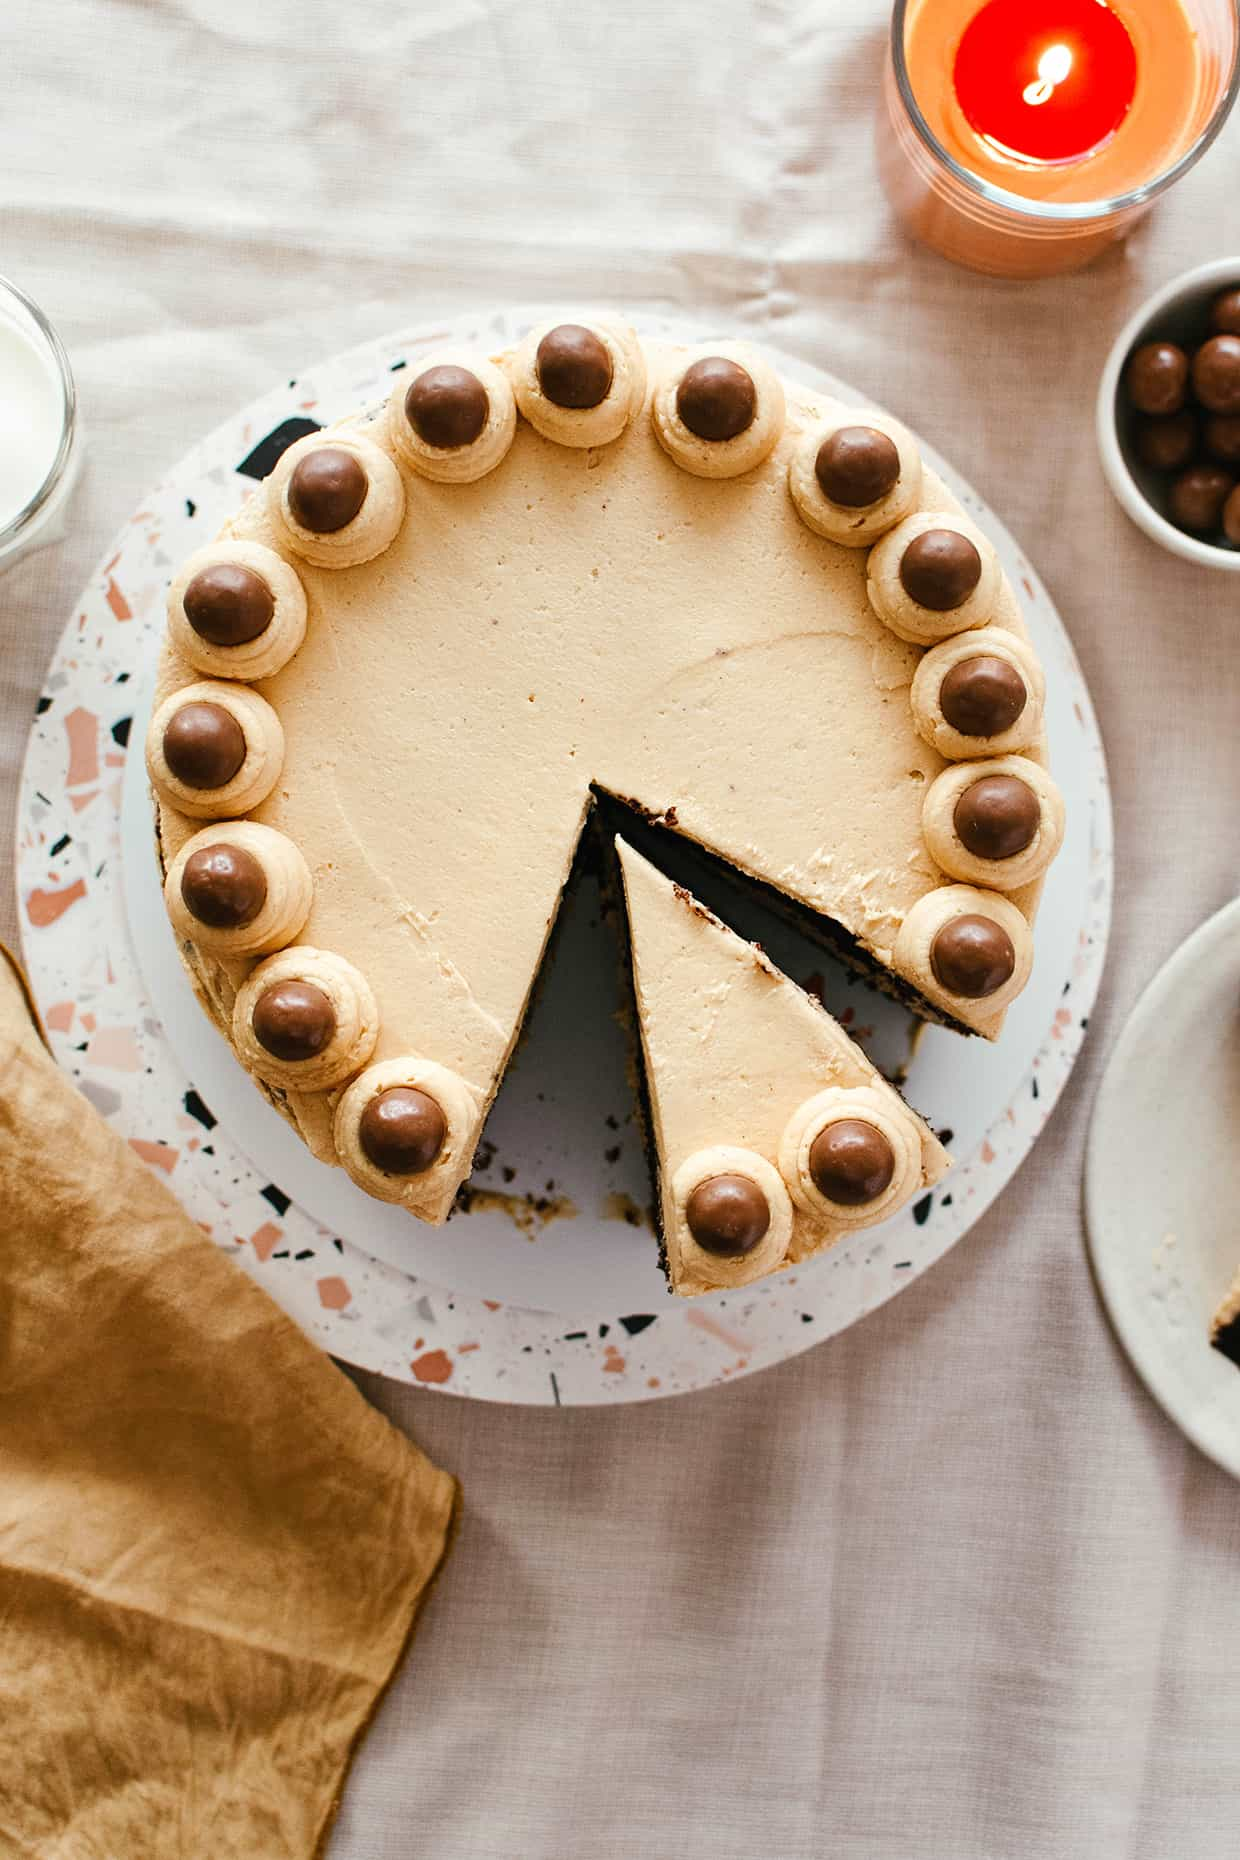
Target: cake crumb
(528, 1213)
(621, 1207)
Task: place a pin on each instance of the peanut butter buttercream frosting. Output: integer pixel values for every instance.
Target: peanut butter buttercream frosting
(591, 565)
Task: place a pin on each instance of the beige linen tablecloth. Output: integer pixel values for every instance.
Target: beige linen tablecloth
(948, 1587)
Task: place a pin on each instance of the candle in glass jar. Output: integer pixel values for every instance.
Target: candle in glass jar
(1022, 136)
(1055, 99)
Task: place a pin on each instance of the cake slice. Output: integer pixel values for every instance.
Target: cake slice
(1225, 1327)
(771, 1134)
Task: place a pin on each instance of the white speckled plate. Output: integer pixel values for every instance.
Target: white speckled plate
(374, 1287)
(1162, 1183)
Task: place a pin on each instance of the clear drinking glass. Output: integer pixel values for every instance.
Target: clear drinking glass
(39, 422)
(975, 223)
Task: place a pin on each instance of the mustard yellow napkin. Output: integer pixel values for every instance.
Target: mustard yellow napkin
(212, 1551)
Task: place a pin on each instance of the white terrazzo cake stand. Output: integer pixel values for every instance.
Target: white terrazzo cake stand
(547, 1291)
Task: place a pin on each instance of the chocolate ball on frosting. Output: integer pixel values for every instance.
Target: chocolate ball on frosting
(454, 421)
(940, 569)
(223, 886)
(1157, 377)
(1216, 374)
(305, 1019)
(402, 1130)
(851, 1154)
(995, 822)
(204, 745)
(972, 956)
(327, 489)
(717, 399)
(447, 406)
(856, 465)
(405, 1129)
(997, 816)
(236, 610)
(214, 749)
(293, 1020)
(854, 477)
(336, 498)
(851, 1162)
(1167, 444)
(1231, 517)
(1195, 501)
(228, 604)
(935, 575)
(573, 366)
(983, 696)
(728, 1215)
(239, 888)
(577, 383)
(979, 693)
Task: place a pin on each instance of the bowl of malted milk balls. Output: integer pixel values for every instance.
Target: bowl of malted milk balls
(1169, 416)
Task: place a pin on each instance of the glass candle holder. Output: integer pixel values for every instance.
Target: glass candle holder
(1012, 213)
(38, 411)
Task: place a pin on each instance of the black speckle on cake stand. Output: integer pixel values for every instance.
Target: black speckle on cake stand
(197, 1109)
(262, 460)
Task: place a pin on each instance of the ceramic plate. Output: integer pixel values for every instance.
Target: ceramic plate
(1162, 1183)
(547, 1291)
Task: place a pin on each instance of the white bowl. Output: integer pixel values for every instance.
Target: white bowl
(1176, 312)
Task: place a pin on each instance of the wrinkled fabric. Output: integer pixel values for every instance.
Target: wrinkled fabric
(211, 1549)
(947, 1587)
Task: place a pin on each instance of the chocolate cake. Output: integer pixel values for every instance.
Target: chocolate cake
(395, 686)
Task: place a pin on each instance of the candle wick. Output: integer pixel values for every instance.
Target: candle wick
(1054, 66)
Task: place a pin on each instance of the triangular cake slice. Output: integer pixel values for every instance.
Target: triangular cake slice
(773, 1136)
(1225, 1328)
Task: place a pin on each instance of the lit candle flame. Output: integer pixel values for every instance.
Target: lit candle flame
(1053, 67)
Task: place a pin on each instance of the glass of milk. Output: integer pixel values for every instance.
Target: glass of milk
(40, 440)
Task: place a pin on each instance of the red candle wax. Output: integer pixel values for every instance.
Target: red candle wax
(1045, 81)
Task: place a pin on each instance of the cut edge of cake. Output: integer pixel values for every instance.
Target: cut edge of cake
(819, 928)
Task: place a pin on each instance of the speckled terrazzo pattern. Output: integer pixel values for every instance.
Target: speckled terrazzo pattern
(86, 979)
